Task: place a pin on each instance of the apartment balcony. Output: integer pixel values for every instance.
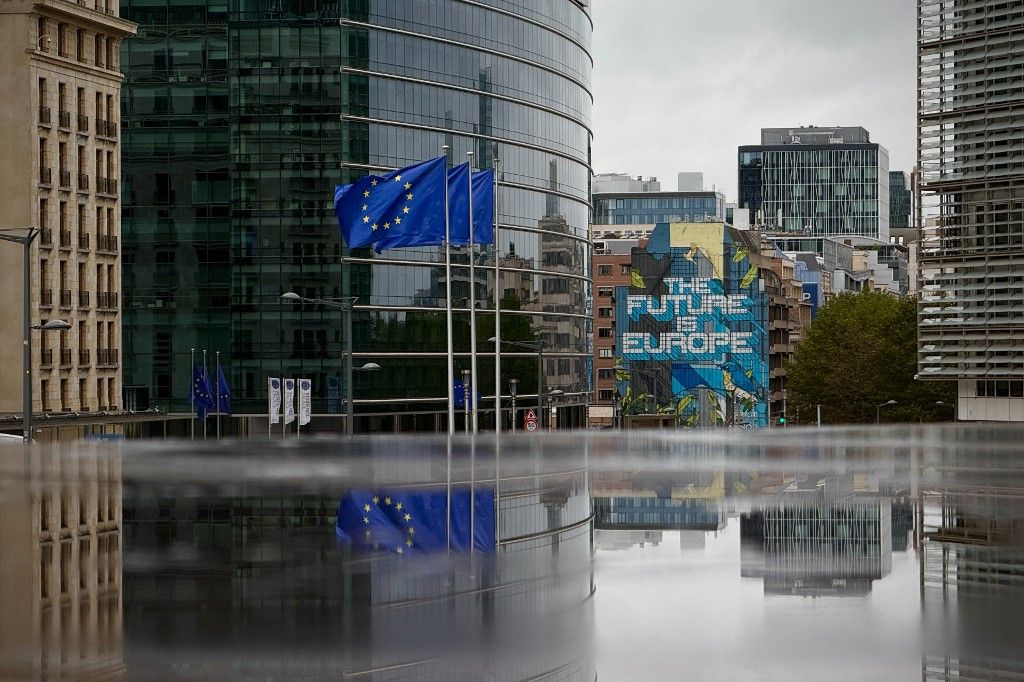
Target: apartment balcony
(65, 298)
(84, 357)
(83, 299)
(44, 116)
(106, 300)
(106, 128)
(106, 243)
(46, 357)
(107, 186)
(46, 237)
(83, 124)
(65, 357)
(106, 357)
(45, 176)
(46, 298)
(65, 239)
(83, 183)
(83, 241)
(65, 179)
(64, 119)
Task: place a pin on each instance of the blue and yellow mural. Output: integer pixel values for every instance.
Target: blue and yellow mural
(692, 328)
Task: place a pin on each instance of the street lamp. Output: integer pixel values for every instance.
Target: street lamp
(555, 392)
(537, 345)
(512, 387)
(344, 305)
(878, 410)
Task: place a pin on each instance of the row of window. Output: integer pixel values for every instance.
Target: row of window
(106, 180)
(75, 42)
(1000, 389)
(106, 227)
(107, 395)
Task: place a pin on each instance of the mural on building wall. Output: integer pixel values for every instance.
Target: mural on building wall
(692, 338)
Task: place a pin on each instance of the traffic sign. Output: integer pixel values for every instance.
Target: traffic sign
(530, 422)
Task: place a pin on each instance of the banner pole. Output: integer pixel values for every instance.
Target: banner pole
(206, 377)
(472, 402)
(192, 392)
(217, 391)
(497, 308)
(448, 301)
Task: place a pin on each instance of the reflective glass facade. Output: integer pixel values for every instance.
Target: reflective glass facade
(284, 101)
(900, 200)
(821, 190)
(649, 208)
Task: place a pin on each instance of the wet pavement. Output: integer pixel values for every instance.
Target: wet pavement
(786, 554)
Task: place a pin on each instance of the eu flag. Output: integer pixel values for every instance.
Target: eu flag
(405, 521)
(403, 208)
(223, 393)
(201, 396)
(483, 205)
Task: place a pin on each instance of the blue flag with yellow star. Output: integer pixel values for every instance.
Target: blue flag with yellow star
(201, 396)
(483, 205)
(409, 521)
(403, 208)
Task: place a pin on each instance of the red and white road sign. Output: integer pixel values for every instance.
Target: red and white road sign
(530, 422)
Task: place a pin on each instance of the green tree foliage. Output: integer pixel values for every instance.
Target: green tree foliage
(860, 352)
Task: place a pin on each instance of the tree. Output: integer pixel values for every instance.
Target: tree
(860, 352)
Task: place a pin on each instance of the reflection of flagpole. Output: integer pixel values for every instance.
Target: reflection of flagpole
(497, 310)
(206, 378)
(448, 308)
(192, 391)
(472, 300)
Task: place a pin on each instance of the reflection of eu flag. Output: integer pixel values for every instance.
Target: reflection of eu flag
(483, 205)
(403, 521)
(403, 208)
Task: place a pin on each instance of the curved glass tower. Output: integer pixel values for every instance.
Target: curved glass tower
(239, 121)
(510, 82)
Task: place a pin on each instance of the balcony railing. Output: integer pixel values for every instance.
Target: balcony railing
(64, 119)
(84, 357)
(106, 186)
(46, 237)
(106, 356)
(65, 239)
(107, 300)
(46, 357)
(46, 298)
(83, 299)
(65, 298)
(65, 357)
(106, 128)
(65, 179)
(45, 176)
(83, 182)
(83, 241)
(44, 115)
(106, 243)
(83, 124)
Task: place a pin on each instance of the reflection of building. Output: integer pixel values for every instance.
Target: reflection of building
(900, 201)
(241, 212)
(617, 540)
(971, 315)
(816, 181)
(819, 538)
(61, 79)
(625, 500)
(60, 561)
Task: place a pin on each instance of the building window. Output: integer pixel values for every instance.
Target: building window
(604, 312)
(625, 269)
(43, 39)
(62, 36)
(605, 353)
(606, 374)
(606, 395)
(604, 270)
(80, 45)
(97, 49)
(605, 291)
(605, 333)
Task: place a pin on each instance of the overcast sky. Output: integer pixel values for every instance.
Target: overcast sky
(680, 84)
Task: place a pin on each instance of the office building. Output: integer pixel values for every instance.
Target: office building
(816, 181)
(901, 201)
(612, 259)
(645, 207)
(60, 72)
(971, 322)
(230, 202)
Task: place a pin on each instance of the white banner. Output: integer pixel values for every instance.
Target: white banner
(289, 401)
(305, 406)
(274, 400)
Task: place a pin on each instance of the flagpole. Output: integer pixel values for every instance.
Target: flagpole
(192, 391)
(448, 302)
(472, 301)
(218, 395)
(206, 377)
(497, 309)
(298, 419)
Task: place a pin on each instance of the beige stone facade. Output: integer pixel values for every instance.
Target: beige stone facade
(60, 80)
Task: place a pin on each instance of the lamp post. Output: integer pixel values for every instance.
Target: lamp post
(466, 378)
(878, 410)
(537, 345)
(551, 396)
(344, 305)
(512, 386)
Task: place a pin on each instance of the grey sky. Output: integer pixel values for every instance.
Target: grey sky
(679, 84)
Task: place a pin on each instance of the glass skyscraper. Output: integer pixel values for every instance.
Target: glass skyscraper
(818, 181)
(244, 116)
(900, 200)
